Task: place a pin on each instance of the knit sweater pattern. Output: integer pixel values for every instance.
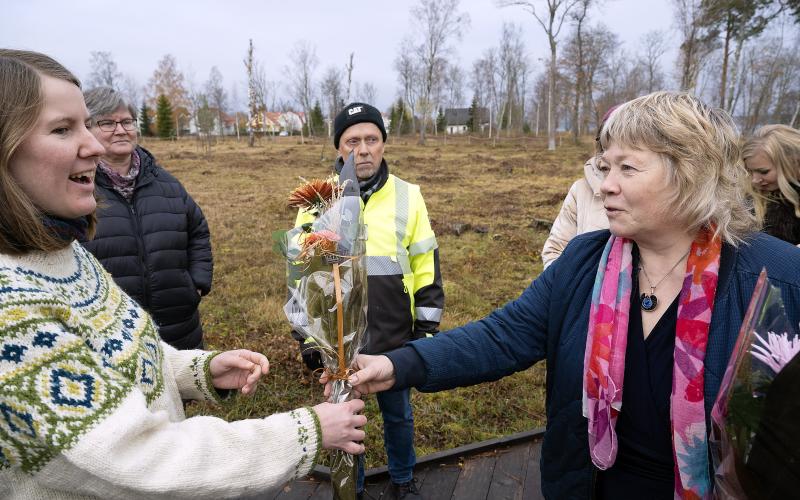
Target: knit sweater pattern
(91, 398)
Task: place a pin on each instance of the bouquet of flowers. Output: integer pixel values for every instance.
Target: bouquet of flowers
(755, 431)
(327, 282)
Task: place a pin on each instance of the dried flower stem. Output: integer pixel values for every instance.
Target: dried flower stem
(337, 285)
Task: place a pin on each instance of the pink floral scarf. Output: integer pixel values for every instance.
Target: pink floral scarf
(604, 359)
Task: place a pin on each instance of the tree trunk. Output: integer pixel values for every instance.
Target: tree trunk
(734, 86)
(551, 131)
(725, 53)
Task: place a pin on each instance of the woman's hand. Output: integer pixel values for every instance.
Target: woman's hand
(340, 424)
(374, 374)
(239, 369)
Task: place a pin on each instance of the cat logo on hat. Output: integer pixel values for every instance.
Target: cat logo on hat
(354, 110)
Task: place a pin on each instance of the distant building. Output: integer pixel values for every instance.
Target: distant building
(457, 119)
(292, 121)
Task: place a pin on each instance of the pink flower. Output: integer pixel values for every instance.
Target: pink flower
(776, 351)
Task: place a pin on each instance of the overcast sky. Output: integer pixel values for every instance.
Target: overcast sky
(204, 33)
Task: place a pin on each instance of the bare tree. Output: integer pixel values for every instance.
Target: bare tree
(577, 58)
(304, 62)
(770, 92)
(736, 21)
(104, 72)
(696, 44)
(488, 75)
(653, 48)
(132, 90)
(437, 23)
(599, 43)
(478, 84)
(511, 69)
(557, 11)
(349, 69)
(454, 87)
(408, 75)
(217, 96)
(367, 92)
(252, 95)
(331, 89)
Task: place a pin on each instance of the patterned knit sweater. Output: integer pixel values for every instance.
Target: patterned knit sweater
(90, 398)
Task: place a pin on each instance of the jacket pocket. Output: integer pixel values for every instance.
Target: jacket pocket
(389, 313)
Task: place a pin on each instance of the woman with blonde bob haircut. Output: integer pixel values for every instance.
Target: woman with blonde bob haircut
(772, 157)
(90, 398)
(636, 323)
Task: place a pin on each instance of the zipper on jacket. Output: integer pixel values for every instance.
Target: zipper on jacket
(142, 253)
(139, 246)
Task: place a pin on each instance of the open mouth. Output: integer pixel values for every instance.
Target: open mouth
(81, 178)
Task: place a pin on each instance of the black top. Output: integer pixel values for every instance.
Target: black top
(780, 220)
(644, 467)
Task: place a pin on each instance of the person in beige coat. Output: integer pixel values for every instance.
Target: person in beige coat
(581, 212)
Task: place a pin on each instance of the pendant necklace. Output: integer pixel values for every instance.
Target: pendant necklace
(649, 302)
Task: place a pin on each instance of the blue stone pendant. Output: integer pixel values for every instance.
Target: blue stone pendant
(648, 302)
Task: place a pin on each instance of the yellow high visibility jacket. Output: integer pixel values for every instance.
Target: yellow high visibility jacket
(405, 297)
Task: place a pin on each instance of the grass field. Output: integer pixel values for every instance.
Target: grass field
(483, 201)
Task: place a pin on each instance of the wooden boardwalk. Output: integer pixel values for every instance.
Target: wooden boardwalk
(506, 468)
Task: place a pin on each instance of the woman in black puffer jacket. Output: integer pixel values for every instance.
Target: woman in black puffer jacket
(151, 236)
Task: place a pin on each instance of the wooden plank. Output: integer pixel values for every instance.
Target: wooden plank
(323, 492)
(298, 490)
(440, 481)
(376, 487)
(533, 477)
(476, 477)
(509, 473)
(389, 493)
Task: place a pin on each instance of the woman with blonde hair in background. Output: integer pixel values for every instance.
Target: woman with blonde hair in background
(772, 156)
(90, 397)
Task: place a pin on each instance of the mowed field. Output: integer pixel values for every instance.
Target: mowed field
(483, 201)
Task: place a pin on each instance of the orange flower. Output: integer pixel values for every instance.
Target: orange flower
(323, 242)
(315, 194)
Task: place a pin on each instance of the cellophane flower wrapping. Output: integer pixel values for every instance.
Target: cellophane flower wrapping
(755, 431)
(333, 244)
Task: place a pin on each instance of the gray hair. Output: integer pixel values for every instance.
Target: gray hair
(103, 101)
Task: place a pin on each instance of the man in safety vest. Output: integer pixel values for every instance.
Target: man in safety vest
(404, 287)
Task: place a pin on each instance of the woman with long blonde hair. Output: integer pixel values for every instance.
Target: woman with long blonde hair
(772, 157)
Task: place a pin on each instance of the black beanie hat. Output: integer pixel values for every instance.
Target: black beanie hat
(356, 112)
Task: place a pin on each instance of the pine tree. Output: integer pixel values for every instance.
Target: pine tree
(145, 121)
(441, 122)
(316, 119)
(400, 119)
(164, 122)
(473, 115)
(205, 117)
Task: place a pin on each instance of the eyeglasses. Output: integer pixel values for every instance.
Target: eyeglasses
(111, 125)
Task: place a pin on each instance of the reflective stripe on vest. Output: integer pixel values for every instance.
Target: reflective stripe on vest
(422, 247)
(400, 223)
(381, 265)
(428, 313)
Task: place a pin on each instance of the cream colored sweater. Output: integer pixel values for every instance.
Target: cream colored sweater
(581, 212)
(90, 399)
